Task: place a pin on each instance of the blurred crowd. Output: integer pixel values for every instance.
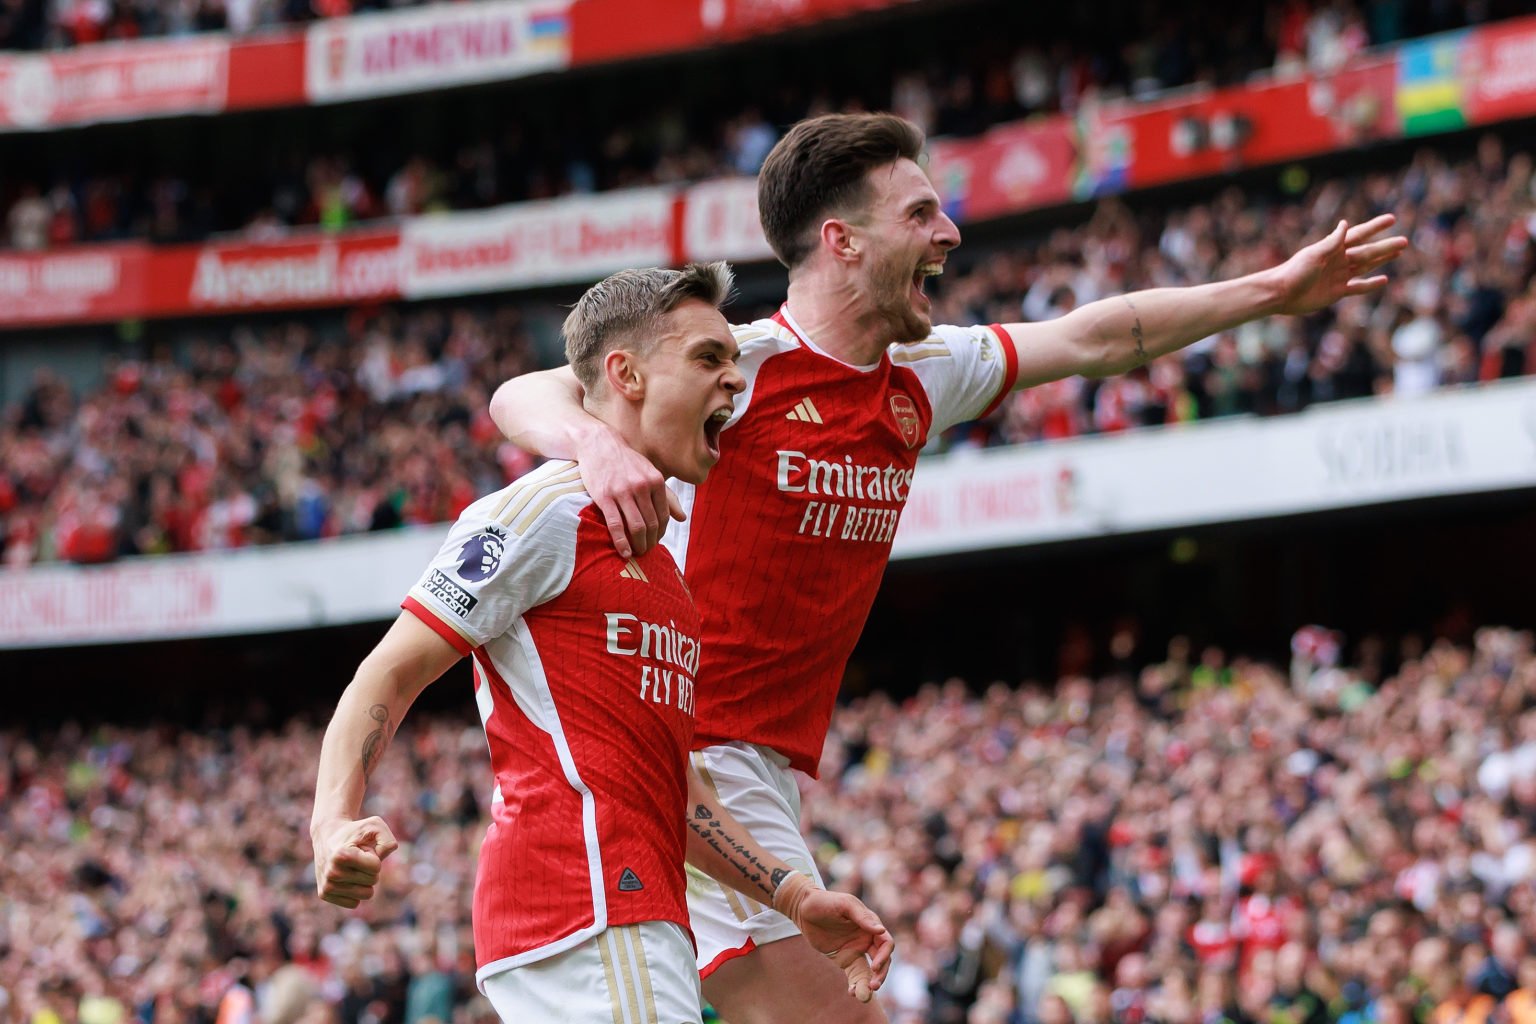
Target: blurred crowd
(1128, 49)
(1203, 841)
(58, 24)
(1199, 840)
(287, 432)
(267, 435)
(1460, 307)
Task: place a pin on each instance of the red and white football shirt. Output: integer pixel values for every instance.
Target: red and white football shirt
(584, 677)
(787, 540)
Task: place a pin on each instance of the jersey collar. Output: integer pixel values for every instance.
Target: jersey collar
(788, 322)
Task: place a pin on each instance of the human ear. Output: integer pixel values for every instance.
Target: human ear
(839, 239)
(621, 368)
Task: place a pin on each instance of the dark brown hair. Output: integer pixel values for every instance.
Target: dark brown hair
(819, 168)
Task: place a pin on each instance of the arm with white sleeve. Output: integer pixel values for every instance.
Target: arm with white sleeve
(482, 579)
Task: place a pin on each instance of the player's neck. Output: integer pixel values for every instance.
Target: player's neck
(623, 418)
(838, 321)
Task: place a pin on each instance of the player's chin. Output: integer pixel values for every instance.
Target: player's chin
(920, 321)
(699, 467)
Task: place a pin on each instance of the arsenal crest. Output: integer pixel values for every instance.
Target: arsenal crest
(907, 420)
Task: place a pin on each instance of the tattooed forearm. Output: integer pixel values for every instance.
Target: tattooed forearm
(376, 741)
(706, 823)
(1136, 333)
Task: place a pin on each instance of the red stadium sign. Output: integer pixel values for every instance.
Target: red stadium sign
(614, 29)
(1502, 72)
(325, 271)
(118, 82)
(79, 285)
(1131, 145)
(1011, 168)
(96, 283)
(720, 222)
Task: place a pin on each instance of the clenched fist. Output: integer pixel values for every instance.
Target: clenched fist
(349, 855)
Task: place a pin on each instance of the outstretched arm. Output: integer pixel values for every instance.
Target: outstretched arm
(542, 413)
(1118, 334)
(834, 923)
(349, 852)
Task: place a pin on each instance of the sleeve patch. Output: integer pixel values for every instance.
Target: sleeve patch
(452, 596)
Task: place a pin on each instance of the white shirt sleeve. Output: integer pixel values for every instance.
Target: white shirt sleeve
(498, 562)
(965, 371)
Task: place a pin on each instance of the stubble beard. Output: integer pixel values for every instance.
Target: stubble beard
(894, 297)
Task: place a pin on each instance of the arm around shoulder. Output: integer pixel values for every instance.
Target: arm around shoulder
(543, 413)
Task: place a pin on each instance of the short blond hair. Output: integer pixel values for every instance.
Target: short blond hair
(626, 309)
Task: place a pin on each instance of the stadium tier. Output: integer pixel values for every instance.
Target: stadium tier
(264, 262)
(1205, 839)
(227, 436)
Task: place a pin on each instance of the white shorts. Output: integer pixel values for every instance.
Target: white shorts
(758, 787)
(630, 974)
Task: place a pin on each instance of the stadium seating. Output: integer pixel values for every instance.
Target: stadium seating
(1194, 839)
(261, 435)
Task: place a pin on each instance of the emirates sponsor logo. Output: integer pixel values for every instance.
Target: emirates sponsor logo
(631, 636)
(669, 683)
(799, 473)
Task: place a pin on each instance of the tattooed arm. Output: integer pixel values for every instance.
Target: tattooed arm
(349, 852)
(834, 923)
(1120, 333)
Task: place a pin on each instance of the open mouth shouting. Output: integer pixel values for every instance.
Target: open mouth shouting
(923, 272)
(715, 423)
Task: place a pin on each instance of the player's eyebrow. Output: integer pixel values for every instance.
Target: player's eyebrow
(728, 348)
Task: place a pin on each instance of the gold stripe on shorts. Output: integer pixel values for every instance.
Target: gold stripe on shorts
(643, 969)
(627, 973)
(608, 973)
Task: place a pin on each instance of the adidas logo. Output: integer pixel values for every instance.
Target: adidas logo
(805, 412)
(632, 571)
(630, 882)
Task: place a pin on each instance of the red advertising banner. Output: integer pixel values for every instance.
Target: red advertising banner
(78, 285)
(1011, 168)
(1130, 145)
(97, 283)
(1502, 72)
(267, 72)
(604, 30)
(114, 82)
(326, 270)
